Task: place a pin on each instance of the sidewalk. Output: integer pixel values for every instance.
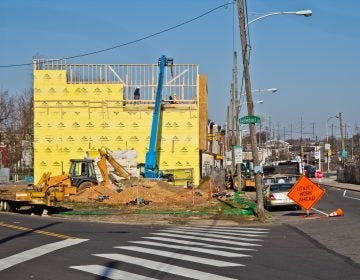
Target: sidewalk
(331, 182)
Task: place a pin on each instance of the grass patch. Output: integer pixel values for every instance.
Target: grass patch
(85, 213)
(171, 212)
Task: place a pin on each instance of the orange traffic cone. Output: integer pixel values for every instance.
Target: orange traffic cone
(338, 212)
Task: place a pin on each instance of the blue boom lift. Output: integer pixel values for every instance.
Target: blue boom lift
(151, 168)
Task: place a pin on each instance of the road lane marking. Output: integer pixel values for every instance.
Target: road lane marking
(197, 243)
(179, 256)
(209, 235)
(111, 273)
(226, 231)
(37, 231)
(344, 195)
(236, 228)
(165, 267)
(37, 252)
(195, 249)
(223, 233)
(217, 240)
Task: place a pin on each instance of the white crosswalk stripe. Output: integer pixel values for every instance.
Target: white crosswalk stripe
(218, 240)
(111, 273)
(37, 252)
(195, 249)
(200, 233)
(164, 267)
(226, 232)
(172, 240)
(181, 243)
(236, 228)
(178, 256)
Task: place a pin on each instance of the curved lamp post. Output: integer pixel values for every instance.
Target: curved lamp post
(305, 13)
(271, 90)
(250, 104)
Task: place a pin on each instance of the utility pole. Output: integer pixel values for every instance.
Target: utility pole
(232, 143)
(228, 142)
(270, 127)
(284, 134)
(250, 109)
(236, 120)
(301, 134)
(343, 151)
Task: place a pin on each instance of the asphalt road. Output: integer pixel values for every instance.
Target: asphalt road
(51, 248)
(338, 234)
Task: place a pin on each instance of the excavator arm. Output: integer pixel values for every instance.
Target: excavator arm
(47, 181)
(106, 156)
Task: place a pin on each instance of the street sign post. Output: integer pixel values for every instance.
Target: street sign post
(249, 119)
(238, 154)
(306, 193)
(317, 154)
(344, 153)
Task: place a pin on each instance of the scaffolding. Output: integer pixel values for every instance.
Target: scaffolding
(181, 79)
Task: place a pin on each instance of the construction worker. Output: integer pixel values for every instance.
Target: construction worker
(137, 95)
(175, 99)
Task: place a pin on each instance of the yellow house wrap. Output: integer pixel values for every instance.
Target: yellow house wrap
(77, 111)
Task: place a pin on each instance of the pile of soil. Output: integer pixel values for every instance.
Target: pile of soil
(156, 192)
(93, 194)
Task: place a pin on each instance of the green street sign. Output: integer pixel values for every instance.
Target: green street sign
(249, 119)
(344, 153)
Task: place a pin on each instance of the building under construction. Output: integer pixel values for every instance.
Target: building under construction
(80, 108)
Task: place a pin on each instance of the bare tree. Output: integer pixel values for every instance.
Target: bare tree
(16, 123)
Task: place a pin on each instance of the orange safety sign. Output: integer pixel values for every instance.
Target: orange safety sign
(305, 193)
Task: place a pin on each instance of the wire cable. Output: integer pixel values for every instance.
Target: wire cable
(133, 41)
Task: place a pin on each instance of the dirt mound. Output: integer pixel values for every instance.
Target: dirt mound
(158, 192)
(93, 194)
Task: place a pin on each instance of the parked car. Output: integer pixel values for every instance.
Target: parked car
(275, 194)
(309, 171)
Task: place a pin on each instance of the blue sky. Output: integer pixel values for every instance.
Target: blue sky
(312, 61)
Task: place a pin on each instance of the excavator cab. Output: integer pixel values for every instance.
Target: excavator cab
(82, 173)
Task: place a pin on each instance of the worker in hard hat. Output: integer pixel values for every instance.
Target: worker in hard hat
(137, 95)
(175, 99)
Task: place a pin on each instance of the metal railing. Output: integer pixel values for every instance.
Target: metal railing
(181, 79)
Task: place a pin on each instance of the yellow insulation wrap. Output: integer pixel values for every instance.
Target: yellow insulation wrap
(71, 119)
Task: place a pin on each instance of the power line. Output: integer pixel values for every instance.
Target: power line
(134, 41)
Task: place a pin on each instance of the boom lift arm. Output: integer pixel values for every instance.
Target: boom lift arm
(151, 168)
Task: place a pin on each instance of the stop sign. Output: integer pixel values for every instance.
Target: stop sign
(319, 174)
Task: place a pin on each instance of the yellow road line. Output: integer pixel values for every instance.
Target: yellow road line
(37, 231)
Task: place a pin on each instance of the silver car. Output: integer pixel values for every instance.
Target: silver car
(275, 194)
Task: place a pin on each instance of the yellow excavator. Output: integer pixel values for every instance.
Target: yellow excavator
(52, 189)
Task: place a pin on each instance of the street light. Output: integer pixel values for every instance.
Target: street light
(305, 13)
(327, 126)
(250, 104)
(271, 90)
